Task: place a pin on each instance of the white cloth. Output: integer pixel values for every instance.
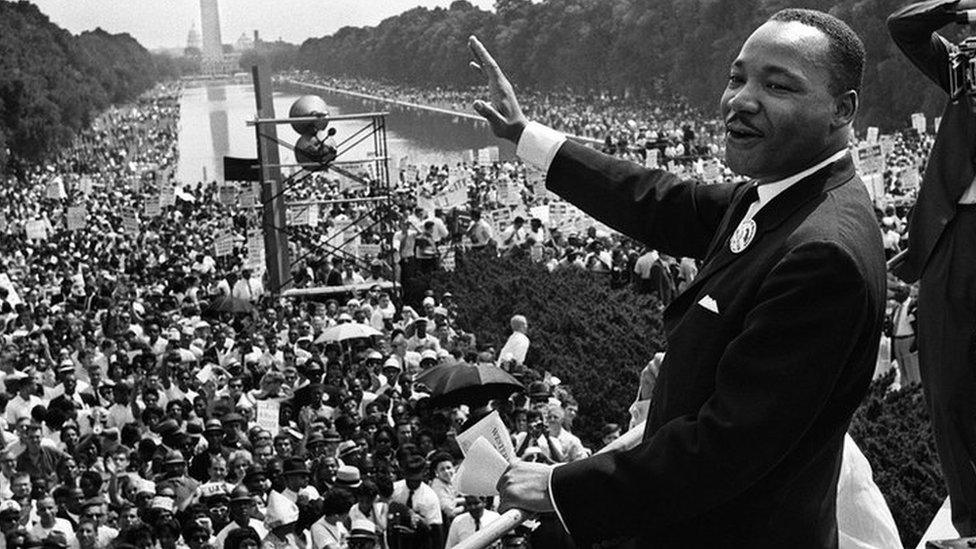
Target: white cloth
(515, 348)
(863, 518)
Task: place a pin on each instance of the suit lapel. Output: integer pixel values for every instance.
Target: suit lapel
(771, 216)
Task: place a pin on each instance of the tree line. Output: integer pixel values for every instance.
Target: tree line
(647, 48)
(52, 83)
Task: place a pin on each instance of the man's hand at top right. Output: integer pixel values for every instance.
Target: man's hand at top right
(502, 112)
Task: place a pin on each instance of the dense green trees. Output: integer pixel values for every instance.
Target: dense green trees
(639, 46)
(51, 83)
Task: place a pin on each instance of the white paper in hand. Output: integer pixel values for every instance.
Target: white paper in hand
(480, 470)
(494, 431)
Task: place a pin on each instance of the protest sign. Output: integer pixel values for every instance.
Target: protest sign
(872, 136)
(448, 261)
(227, 194)
(558, 212)
(482, 468)
(152, 208)
(492, 429)
(167, 196)
(267, 415)
(870, 159)
(918, 122)
(296, 216)
(36, 229)
(650, 158)
(467, 156)
(484, 156)
(77, 217)
(909, 178)
(369, 250)
(224, 244)
(887, 145)
(314, 215)
(457, 195)
(55, 189)
(85, 185)
(130, 223)
(255, 253)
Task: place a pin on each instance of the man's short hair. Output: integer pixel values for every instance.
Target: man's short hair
(845, 51)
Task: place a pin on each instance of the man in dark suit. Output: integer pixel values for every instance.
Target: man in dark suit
(941, 255)
(772, 347)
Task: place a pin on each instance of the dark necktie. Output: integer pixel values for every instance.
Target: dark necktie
(410, 499)
(750, 196)
(477, 524)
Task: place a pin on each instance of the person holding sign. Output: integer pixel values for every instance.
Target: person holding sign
(772, 346)
(941, 255)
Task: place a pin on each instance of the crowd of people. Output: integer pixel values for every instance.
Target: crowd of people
(137, 405)
(138, 412)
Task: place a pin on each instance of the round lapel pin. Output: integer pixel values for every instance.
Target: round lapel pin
(742, 236)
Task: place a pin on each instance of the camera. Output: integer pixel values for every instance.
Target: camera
(962, 70)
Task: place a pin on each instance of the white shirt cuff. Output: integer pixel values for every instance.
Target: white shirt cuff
(552, 499)
(538, 145)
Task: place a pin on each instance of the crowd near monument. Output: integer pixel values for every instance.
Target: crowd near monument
(274, 359)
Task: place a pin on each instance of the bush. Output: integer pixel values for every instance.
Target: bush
(892, 429)
(593, 338)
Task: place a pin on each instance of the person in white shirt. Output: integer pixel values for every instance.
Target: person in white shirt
(475, 518)
(479, 233)
(47, 523)
(513, 236)
(329, 532)
(248, 287)
(517, 345)
(420, 498)
(21, 405)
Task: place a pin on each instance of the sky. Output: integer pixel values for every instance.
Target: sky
(165, 24)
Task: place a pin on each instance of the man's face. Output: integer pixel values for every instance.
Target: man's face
(262, 454)
(94, 513)
(34, 439)
(46, 510)
(9, 464)
(129, 517)
(778, 109)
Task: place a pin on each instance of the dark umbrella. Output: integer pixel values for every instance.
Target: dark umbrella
(471, 384)
(228, 304)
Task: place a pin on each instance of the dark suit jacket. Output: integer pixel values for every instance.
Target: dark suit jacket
(744, 440)
(950, 168)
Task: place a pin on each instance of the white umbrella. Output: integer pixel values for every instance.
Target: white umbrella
(349, 330)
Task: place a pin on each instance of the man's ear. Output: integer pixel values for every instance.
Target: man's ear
(845, 107)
